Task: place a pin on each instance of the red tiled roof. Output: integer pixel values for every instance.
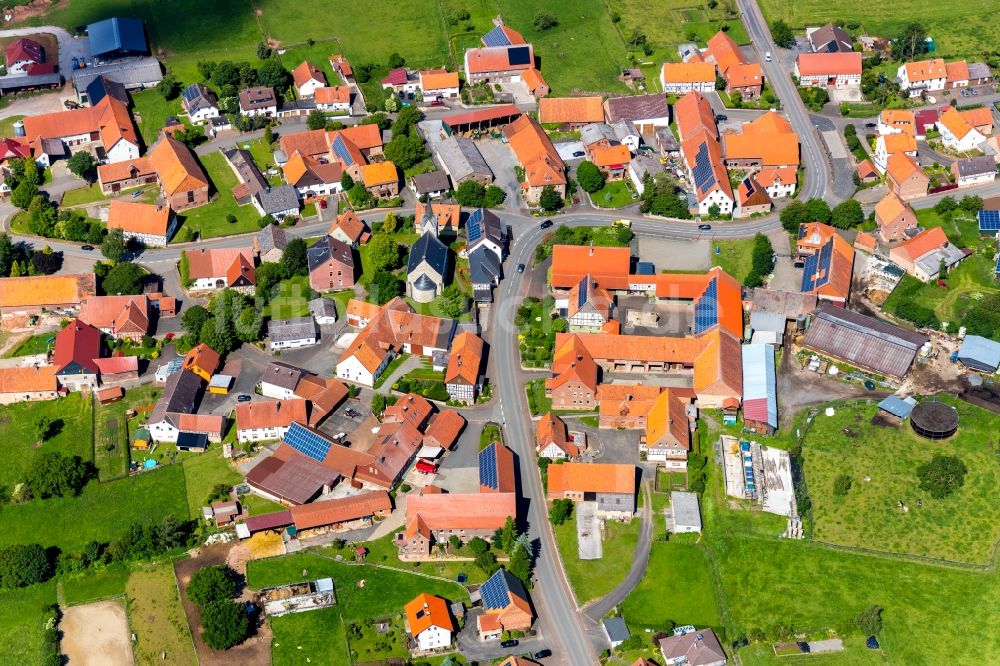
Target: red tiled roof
(342, 510)
(591, 478)
(829, 64)
(78, 343)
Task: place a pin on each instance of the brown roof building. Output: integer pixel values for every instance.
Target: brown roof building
(182, 179)
(33, 294)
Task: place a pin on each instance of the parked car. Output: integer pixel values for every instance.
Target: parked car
(579, 153)
(871, 125)
(767, 56)
(541, 654)
(520, 268)
(705, 227)
(719, 117)
(243, 397)
(546, 224)
(509, 644)
(87, 248)
(437, 102)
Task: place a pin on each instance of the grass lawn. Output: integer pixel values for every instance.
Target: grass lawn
(383, 592)
(961, 228)
(102, 511)
(202, 471)
(95, 585)
(23, 614)
(956, 30)
(341, 297)
(614, 194)
(36, 344)
(157, 618)
(734, 256)
(967, 283)
(678, 570)
(389, 369)
(292, 299)
(585, 34)
(210, 220)
(113, 432)
(538, 402)
(71, 424)
(592, 579)
(959, 528)
(7, 125)
(92, 194)
(855, 652)
(151, 112)
(316, 637)
(384, 552)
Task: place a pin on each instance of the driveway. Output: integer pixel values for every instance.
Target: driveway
(567, 148)
(501, 159)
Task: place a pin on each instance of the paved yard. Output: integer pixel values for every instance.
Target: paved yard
(654, 318)
(501, 159)
(676, 255)
(567, 148)
(588, 532)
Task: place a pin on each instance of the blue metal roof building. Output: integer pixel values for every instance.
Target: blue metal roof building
(980, 353)
(760, 388)
(117, 38)
(898, 407)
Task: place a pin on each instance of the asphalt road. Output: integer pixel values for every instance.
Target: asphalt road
(814, 153)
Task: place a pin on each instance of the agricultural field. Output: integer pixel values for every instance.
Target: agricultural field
(671, 22)
(157, 617)
(957, 29)
(102, 511)
(959, 528)
(316, 637)
(592, 579)
(94, 585)
(70, 425)
(23, 614)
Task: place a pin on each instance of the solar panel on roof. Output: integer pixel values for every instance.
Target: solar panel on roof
(989, 220)
(340, 150)
(706, 308)
(704, 175)
(474, 226)
(519, 55)
(583, 293)
(809, 273)
(307, 443)
(802, 231)
(495, 592)
(750, 187)
(496, 37)
(823, 268)
(488, 467)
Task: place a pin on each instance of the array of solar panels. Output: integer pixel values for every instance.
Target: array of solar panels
(474, 225)
(496, 37)
(488, 475)
(989, 221)
(341, 151)
(307, 442)
(583, 293)
(706, 308)
(817, 269)
(749, 185)
(495, 592)
(519, 55)
(704, 175)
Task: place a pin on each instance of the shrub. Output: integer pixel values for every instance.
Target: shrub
(841, 485)
(942, 475)
(211, 584)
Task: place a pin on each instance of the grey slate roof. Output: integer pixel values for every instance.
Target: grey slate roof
(979, 70)
(179, 395)
(930, 263)
(594, 132)
(424, 283)
(831, 39)
(484, 266)
(435, 181)
(616, 630)
(327, 248)
(980, 353)
(271, 237)
(975, 166)
(197, 96)
(762, 320)
(299, 328)
(322, 307)
(430, 249)
(283, 375)
(142, 73)
(462, 159)
(666, 141)
(278, 199)
(698, 647)
(645, 166)
(624, 128)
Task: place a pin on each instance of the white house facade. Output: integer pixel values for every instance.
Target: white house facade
(433, 638)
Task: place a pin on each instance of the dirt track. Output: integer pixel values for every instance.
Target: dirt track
(96, 634)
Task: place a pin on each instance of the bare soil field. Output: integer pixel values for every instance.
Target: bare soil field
(96, 634)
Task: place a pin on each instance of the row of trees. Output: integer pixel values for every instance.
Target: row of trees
(473, 195)
(763, 261)
(509, 540)
(661, 196)
(230, 77)
(230, 320)
(845, 215)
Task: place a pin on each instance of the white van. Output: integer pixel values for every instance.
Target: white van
(767, 56)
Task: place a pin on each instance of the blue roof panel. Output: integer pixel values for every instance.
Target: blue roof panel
(117, 36)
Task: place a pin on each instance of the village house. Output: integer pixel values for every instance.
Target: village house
(713, 194)
(311, 177)
(641, 168)
(923, 255)
(767, 142)
(438, 84)
(258, 101)
(381, 179)
(182, 180)
(269, 419)
(201, 360)
(210, 269)
(957, 133)
(684, 77)
(21, 54)
(613, 161)
(432, 185)
(611, 486)
(433, 518)
(695, 647)
(76, 347)
(485, 272)
(150, 224)
(830, 39)
(121, 317)
(751, 199)
(570, 112)
(35, 294)
(894, 218)
(323, 310)
(742, 77)
(588, 306)
(448, 216)
(278, 201)
(349, 228)
(114, 178)
(538, 157)
(502, 63)
(28, 383)
(331, 264)
(829, 70)
(308, 78)
(461, 160)
(924, 76)
(107, 129)
(200, 103)
(552, 439)
(505, 606)
(974, 171)
(462, 378)
(828, 272)
(897, 121)
(646, 112)
(905, 177)
(429, 623)
(173, 416)
(443, 430)
(333, 99)
(292, 333)
(887, 145)
(269, 243)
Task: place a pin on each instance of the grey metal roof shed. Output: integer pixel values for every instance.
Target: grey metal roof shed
(980, 353)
